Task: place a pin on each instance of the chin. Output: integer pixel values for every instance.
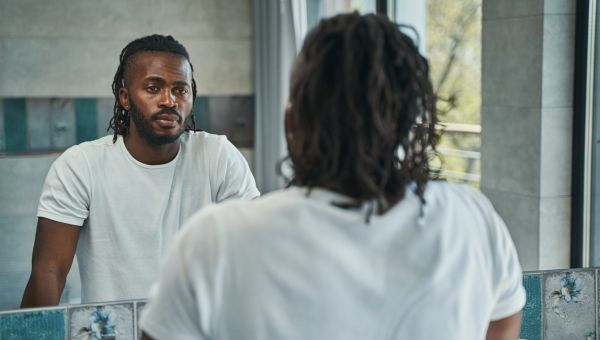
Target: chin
(162, 139)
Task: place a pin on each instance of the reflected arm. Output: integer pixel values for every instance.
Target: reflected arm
(53, 252)
(505, 329)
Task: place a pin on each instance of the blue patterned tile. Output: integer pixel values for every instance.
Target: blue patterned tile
(113, 321)
(63, 123)
(531, 326)
(38, 123)
(570, 305)
(38, 324)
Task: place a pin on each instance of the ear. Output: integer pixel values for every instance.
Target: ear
(124, 98)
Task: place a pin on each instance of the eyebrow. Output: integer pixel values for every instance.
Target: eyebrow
(161, 80)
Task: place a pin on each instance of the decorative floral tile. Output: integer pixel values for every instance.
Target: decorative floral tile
(105, 322)
(39, 324)
(570, 305)
(531, 325)
(139, 307)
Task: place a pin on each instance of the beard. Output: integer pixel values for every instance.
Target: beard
(146, 131)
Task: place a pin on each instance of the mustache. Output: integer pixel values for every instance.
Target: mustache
(166, 111)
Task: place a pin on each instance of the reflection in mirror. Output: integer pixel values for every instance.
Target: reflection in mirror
(56, 93)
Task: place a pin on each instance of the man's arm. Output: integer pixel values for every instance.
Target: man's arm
(53, 253)
(505, 329)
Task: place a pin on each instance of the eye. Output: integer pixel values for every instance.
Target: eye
(182, 90)
(152, 89)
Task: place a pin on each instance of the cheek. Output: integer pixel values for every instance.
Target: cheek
(186, 107)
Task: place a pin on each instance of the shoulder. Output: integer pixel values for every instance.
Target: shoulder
(75, 153)
(239, 215)
(89, 149)
(462, 209)
(207, 146)
(204, 140)
(457, 196)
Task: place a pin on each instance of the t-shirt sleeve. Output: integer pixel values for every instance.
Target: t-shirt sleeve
(237, 180)
(181, 304)
(507, 274)
(66, 192)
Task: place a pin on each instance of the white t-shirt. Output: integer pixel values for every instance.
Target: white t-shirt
(130, 211)
(294, 266)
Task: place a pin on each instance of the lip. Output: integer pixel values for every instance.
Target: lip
(167, 120)
(166, 123)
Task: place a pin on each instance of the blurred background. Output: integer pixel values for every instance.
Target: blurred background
(515, 82)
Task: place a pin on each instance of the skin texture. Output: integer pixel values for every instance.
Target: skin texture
(505, 329)
(157, 86)
(53, 253)
(157, 83)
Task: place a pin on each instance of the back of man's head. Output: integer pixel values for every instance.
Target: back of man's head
(360, 95)
(151, 43)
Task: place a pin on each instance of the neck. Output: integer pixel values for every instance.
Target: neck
(147, 153)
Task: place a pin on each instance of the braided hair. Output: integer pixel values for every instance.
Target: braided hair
(360, 96)
(119, 122)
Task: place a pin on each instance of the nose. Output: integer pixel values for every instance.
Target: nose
(168, 99)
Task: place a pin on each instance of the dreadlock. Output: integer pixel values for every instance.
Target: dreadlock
(119, 123)
(360, 91)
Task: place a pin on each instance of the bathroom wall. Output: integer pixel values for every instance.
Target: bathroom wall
(57, 62)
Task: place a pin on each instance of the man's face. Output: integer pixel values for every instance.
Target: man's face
(158, 96)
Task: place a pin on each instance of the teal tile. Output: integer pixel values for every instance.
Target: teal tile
(41, 324)
(2, 138)
(202, 113)
(531, 325)
(15, 124)
(86, 118)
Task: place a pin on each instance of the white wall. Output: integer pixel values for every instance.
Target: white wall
(67, 48)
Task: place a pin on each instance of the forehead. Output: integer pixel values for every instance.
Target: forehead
(164, 65)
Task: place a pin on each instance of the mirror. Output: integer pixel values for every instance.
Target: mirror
(57, 69)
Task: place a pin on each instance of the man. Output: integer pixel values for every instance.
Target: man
(362, 245)
(119, 200)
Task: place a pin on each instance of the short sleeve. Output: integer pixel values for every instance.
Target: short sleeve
(237, 181)
(181, 304)
(507, 274)
(67, 190)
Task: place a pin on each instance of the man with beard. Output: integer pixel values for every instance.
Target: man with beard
(118, 201)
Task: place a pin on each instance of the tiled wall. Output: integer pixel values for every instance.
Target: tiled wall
(560, 305)
(117, 320)
(53, 124)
